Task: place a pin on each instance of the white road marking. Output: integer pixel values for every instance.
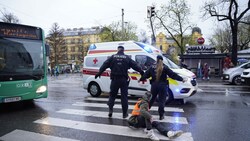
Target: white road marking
(104, 99)
(168, 119)
(20, 135)
(118, 106)
(104, 128)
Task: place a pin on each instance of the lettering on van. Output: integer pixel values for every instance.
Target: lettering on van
(24, 85)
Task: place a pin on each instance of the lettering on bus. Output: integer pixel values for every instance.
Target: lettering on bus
(22, 85)
(17, 31)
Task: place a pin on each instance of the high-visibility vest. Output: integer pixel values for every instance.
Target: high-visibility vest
(136, 110)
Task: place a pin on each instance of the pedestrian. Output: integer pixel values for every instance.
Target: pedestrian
(119, 64)
(227, 63)
(141, 118)
(199, 69)
(206, 71)
(159, 83)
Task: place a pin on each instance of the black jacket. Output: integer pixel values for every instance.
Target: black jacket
(151, 72)
(119, 64)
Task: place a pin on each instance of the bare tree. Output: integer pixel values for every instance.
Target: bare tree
(222, 39)
(228, 10)
(174, 18)
(113, 32)
(8, 17)
(58, 49)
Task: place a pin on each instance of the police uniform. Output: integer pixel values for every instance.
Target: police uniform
(119, 64)
(160, 88)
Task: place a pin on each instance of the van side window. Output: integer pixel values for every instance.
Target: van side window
(144, 61)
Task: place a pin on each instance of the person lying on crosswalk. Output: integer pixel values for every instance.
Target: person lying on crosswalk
(141, 118)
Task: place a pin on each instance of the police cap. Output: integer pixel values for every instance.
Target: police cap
(120, 47)
(159, 57)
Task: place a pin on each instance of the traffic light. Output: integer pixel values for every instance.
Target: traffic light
(152, 11)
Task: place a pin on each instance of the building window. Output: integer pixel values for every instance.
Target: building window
(72, 57)
(160, 39)
(72, 49)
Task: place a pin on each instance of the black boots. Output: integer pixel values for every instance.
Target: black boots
(110, 112)
(125, 115)
(161, 117)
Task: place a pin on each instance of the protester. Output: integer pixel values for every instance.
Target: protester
(141, 118)
(159, 83)
(119, 64)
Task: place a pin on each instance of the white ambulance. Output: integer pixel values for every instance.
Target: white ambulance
(144, 55)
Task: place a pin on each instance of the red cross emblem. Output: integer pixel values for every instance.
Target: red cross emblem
(95, 61)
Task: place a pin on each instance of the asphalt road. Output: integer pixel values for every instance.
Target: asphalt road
(218, 112)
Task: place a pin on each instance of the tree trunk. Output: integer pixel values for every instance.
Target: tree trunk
(234, 45)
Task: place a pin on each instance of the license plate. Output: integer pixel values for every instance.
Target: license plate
(12, 99)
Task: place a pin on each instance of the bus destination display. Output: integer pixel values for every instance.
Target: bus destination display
(18, 31)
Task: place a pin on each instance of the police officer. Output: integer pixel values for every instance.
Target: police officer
(159, 83)
(119, 64)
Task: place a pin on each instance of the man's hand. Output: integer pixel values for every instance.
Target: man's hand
(97, 75)
(184, 80)
(142, 73)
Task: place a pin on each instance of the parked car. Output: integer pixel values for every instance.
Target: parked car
(232, 75)
(245, 77)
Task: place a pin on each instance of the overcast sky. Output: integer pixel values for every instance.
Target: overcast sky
(88, 13)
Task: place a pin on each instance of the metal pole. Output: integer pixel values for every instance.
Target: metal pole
(122, 24)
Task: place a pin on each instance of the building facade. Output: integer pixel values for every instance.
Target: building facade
(76, 43)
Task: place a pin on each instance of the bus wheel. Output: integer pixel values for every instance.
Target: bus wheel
(94, 89)
(169, 97)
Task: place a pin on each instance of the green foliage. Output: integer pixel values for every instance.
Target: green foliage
(114, 32)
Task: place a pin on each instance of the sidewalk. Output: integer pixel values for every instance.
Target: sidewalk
(211, 80)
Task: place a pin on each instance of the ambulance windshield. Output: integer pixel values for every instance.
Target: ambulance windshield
(170, 63)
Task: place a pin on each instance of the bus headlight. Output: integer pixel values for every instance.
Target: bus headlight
(41, 89)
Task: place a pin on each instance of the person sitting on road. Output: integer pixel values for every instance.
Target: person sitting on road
(141, 118)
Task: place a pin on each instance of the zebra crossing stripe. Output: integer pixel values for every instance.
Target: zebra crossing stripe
(102, 114)
(20, 135)
(103, 128)
(118, 106)
(104, 99)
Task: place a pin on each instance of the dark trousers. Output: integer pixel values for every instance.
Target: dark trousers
(142, 123)
(117, 84)
(160, 89)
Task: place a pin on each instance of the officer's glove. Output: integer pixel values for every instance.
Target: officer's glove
(141, 79)
(97, 75)
(184, 80)
(142, 73)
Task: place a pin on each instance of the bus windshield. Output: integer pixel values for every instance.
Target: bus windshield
(21, 59)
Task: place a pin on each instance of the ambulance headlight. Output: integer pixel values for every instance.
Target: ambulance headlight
(41, 89)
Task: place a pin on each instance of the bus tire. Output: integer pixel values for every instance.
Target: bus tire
(94, 89)
(169, 97)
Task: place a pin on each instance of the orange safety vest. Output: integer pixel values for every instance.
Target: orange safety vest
(136, 110)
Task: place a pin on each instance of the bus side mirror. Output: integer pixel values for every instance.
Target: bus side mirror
(47, 49)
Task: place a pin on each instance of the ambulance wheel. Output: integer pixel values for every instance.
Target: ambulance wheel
(169, 97)
(94, 89)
